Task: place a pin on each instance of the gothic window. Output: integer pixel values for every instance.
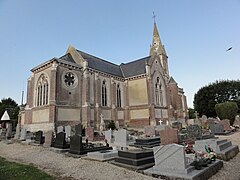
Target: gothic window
(104, 93)
(158, 93)
(42, 91)
(118, 96)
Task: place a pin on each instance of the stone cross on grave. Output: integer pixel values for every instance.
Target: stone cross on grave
(160, 122)
(102, 124)
(196, 115)
(102, 116)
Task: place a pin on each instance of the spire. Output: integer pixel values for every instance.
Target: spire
(156, 46)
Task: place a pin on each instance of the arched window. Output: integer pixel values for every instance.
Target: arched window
(42, 91)
(104, 93)
(119, 104)
(158, 93)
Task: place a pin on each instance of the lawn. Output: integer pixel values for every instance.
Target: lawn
(16, 171)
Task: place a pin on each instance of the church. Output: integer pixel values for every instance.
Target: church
(79, 87)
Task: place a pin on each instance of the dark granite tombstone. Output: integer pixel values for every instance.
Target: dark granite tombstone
(135, 159)
(78, 129)
(147, 142)
(76, 146)
(194, 131)
(39, 139)
(60, 141)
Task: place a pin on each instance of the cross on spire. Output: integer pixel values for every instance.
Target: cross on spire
(154, 16)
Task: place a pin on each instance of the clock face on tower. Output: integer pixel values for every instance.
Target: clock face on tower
(70, 79)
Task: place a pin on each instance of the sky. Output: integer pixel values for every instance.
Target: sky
(196, 35)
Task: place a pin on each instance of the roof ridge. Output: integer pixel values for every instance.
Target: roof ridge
(135, 60)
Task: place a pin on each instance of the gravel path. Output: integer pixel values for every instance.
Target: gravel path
(76, 168)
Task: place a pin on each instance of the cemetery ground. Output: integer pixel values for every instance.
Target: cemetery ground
(64, 167)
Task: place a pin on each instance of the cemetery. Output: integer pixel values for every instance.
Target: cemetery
(176, 150)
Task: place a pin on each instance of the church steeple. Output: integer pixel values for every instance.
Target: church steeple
(156, 46)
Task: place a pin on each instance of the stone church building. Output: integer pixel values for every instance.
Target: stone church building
(79, 87)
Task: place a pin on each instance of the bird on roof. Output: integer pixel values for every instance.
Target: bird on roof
(229, 49)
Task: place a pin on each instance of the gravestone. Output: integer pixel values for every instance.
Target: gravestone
(78, 129)
(59, 129)
(226, 124)
(18, 132)
(204, 121)
(104, 155)
(171, 162)
(117, 125)
(23, 134)
(183, 121)
(121, 138)
(76, 145)
(194, 131)
(223, 148)
(48, 139)
(177, 125)
(30, 137)
(39, 137)
(9, 130)
(60, 141)
(68, 131)
(237, 121)
(190, 122)
(90, 133)
(149, 131)
(216, 128)
(168, 136)
(109, 136)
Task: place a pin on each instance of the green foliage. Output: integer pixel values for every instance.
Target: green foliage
(191, 112)
(11, 106)
(111, 125)
(12, 170)
(218, 92)
(227, 110)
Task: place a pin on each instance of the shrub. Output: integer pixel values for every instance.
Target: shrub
(227, 110)
(111, 125)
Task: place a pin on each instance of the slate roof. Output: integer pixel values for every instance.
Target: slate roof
(101, 65)
(134, 68)
(123, 70)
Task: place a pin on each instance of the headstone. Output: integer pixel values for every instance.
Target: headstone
(78, 129)
(190, 122)
(68, 131)
(59, 129)
(48, 139)
(121, 137)
(177, 125)
(23, 134)
(18, 132)
(224, 148)
(39, 137)
(171, 158)
(237, 121)
(102, 123)
(194, 131)
(90, 133)
(183, 121)
(60, 141)
(169, 136)
(216, 128)
(226, 124)
(9, 130)
(76, 146)
(204, 121)
(149, 131)
(109, 136)
(117, 125)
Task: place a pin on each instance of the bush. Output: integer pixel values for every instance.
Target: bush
(227, 110)
(111, 125)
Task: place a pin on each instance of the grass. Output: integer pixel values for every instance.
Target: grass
(16, 171)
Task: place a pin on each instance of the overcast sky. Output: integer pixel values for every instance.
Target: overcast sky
(196, 35)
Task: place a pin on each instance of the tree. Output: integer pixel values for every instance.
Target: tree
(11, 106)
(191, 113)
(227, 110)
(218, 92)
